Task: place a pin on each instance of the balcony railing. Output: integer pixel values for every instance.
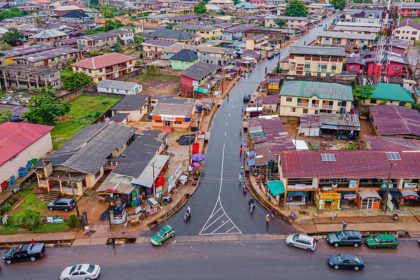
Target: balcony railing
(303, 104)
(327, 106)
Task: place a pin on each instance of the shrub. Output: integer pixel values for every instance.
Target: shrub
(73, 221)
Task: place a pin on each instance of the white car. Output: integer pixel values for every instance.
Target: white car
(81, 272)
(301, 241)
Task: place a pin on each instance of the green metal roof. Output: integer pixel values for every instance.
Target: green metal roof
(201, 90)
(308, 89)
(275, 187)
(394, 92)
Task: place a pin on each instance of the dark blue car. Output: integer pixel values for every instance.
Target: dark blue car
(346, 260)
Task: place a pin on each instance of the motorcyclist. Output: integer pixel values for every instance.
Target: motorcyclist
(251, 201)
(267, 218)
(189, 210)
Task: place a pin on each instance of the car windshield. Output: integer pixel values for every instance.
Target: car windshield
(160, 233)
(340, 257)
(340, 235)
(378, 239)
(356, 259)
(73, 268)
(295, 237)
(91, 268)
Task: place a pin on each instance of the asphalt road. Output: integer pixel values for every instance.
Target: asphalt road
(221, 260)
(219, 206)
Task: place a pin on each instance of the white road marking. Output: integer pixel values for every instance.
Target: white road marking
(217, 218)
(225, 133)
(227, 123)
(229, 115)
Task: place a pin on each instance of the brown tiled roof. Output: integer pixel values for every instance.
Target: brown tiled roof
(102, 61)
(349, 164)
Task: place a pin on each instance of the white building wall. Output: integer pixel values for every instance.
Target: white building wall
(37, 150)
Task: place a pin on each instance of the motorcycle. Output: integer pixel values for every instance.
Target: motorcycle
(251, 208)
(244, 190)
(187, 216)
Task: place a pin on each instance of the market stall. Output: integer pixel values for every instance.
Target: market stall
(368, 199)
(329, 200)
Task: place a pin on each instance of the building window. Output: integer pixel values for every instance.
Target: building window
(333, 67)
(158, 121)
(177, 122)
(288, 99)
(305, 111)
(353, 67)
(293, 110)
(396, 67)
(373, 101)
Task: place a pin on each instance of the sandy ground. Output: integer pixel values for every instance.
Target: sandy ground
(159, 86)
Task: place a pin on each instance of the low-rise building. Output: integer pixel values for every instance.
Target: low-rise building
(170, 35)
(340, 179)
(390, 94)
(408, 30)
(409, 9)
(396, 121)
(235, 33)
(316, 61)
(134, 105)
(258, 42)
(291, 22)
(84, 159)
(20, 144)
(97, 42)
(119, 87)
(105, 67)
(29, 77)
(195, 75)
(307, 97)
(56, 57)
(202, 31)
(10, 55)
(183, 59)
(50, 36)
(153, 49)
(125, 37)
(341, 126)
(173, 113)
(348, 40)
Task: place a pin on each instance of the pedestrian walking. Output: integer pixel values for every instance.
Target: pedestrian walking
(332, 216)
(266, 70)
(113, 243)
(344, 225)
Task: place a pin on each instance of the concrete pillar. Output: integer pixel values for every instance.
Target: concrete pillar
(61, 186)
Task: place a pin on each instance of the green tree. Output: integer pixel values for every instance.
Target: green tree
(338, 4)
(280, 22)
(94, 2)
(111, 25)
(5, 47)
(117, 47)
(44, 107)
(107, 11)
(361, 93)
(138, 39)
(236, 2)
(29, 219)
(12, 13)
(200, 8)
(296, 8)
(76, 80)
(5, 115)
(12, 37)
(73, 221)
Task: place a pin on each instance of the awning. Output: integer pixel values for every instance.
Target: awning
(292, 194)
(363, 194)
(409, 194)
(275, 187)
(394, 192)
(201, 90)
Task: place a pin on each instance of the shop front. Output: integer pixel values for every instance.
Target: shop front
(368, 199)
(275, 188)
(348, 199)
(297, 197)
(329, 200)
(410, 197)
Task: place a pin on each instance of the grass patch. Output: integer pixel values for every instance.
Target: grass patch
(30, 202)
(352, 146)
(412, 19)
(48, 228)
(84, 111)
(9, 229)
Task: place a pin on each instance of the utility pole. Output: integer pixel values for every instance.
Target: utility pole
(74, 196)
(153, 178)
(387, 187)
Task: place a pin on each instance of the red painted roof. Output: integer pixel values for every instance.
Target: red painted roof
(102, 61)
(349, 164)
(16, 137)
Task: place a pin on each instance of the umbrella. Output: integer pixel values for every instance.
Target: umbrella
(195, 165)
(198, 157)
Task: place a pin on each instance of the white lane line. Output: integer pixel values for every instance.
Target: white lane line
(233, 106)
(229, 115)
(217, 211)
(227, 123)
(209, 225)
(230, 229)
(224, 223)
(225, 133)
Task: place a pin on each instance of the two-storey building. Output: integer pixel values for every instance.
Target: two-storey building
(347, 40)
(97, 42)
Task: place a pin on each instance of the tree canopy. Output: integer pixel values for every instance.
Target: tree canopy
(75, 80)
(44, 108)
(361, 93)
(296, 8)
(338, 4)
(12, 37)
(5, 115)
(12, 13)
(200, 8)
(280, 22)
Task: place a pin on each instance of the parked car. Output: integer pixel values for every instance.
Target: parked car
(381, 241)
(301, 241)
(346, 260)
(345, 238)
(162, 235)
(81, 272)
(62, 203)
(24, 252)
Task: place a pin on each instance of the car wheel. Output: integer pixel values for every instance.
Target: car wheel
(336, 245)
(87, 278)
(356, 268)
(336, 267)
(50, 209)
(289, 244)
(8, 261)
(356, 245)
(66, 279)
(33, 259)
(309, 250)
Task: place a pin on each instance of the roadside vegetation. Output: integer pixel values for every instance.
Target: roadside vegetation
(84, 111)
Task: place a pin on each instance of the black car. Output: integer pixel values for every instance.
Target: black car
(24, 252)
(346, 260)
(62, 203)
(345, 238)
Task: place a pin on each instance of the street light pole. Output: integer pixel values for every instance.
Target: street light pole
(387, 187)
